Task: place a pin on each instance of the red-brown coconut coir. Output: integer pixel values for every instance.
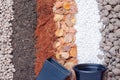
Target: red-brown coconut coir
(45, 33)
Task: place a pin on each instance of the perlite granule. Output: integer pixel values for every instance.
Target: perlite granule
(88, 35)
(6, 15)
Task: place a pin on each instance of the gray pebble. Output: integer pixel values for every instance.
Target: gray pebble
(113, 20)
(109, 43)
(116, 27)
(112, 50)
(107, 48)
(110, 16)
(113, 63)
(118, 15)
(113, 78)
(110, 74)
(113, 2)
(108, 55)
(118, 55)
(105, 20)
(105, 12)
(111, 27)
(117, 23)
(117, 32)
(108, 7)
(100, 7)
(106, 60)
(104, 2)
(117, 8)
(117, 77)
(116, 71)
(118, 65)
(117, 60)
(100, 56)
(100, 1)
(111, 35)
(116, 43)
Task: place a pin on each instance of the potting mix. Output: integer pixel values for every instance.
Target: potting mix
(70, 31)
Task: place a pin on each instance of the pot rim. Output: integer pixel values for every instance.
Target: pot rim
(99, 66)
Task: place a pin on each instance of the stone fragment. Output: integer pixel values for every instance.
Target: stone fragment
(117, 32)
(116, 71)
(108, 7)
(117, 8)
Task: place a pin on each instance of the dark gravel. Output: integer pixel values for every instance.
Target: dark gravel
(23, 39)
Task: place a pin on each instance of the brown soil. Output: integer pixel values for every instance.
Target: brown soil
(45, 33)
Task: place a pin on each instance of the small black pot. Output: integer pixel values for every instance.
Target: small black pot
(52, 70)
(89, 71)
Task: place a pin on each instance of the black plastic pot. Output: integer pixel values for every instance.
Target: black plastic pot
(52, 70)
(89, 71)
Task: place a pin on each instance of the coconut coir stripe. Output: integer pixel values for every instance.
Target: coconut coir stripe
(45, 33)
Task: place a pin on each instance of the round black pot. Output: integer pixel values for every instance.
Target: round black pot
(89, 71)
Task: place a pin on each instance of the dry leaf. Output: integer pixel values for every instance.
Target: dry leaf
(66, 5)
(73, 20)
(74, 60)
(66, 48)
(68, 38)
(68, 21)
(58, 4)
(56, 44)
(72, 30)
(65, 55)
(57, 56)
(58, 17)
(69, 65)
(64, 26)
(59, 32)
(73, 52)
(61, 61)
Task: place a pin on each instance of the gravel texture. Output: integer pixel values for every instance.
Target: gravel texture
(23, 41)
(110, 43)
(88, 35)
(6, 65)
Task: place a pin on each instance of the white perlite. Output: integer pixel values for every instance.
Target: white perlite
(6, 15)
(88, 35)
